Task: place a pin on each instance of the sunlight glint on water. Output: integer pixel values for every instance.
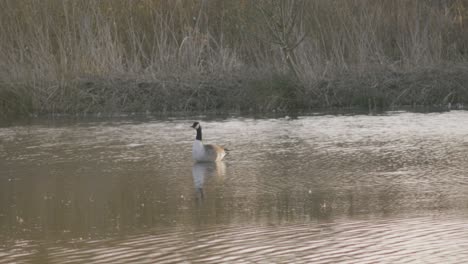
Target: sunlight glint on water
(318, 189)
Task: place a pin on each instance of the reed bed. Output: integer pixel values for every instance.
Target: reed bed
(217, 55)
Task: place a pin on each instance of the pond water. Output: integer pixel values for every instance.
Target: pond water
(391, 188)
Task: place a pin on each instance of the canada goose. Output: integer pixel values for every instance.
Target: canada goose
(202, 152)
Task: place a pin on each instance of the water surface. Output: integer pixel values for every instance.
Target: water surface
(317, 189)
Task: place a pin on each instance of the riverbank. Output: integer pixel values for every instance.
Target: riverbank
(119, 56)
(377, 89)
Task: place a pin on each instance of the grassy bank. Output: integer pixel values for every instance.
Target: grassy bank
(214, 55)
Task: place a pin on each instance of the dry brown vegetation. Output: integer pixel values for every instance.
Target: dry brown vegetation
(217, 55)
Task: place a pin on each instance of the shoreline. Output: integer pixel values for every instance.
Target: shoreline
(173, 116)
(370, 91)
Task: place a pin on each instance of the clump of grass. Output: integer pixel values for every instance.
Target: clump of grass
(385, 88)
(15, 101)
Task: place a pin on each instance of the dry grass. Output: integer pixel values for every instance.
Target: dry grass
(163, 56)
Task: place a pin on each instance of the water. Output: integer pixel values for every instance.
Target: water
(316, 189)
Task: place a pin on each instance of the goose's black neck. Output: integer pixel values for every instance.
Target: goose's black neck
(199, 134)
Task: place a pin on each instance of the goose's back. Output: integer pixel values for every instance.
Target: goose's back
(214, 152)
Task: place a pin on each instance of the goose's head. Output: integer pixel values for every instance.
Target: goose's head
(195, 125)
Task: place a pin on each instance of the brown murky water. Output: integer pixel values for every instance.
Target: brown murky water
(316, 189)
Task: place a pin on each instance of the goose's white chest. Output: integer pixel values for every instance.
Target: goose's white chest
(198, 151)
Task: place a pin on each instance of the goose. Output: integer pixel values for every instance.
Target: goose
(205, 152)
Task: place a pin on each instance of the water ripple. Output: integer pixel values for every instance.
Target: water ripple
(410, 240)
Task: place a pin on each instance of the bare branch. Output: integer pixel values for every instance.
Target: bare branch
(270, 27)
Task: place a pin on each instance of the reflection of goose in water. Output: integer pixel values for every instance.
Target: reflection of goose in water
(208, 152)
(203, 170)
